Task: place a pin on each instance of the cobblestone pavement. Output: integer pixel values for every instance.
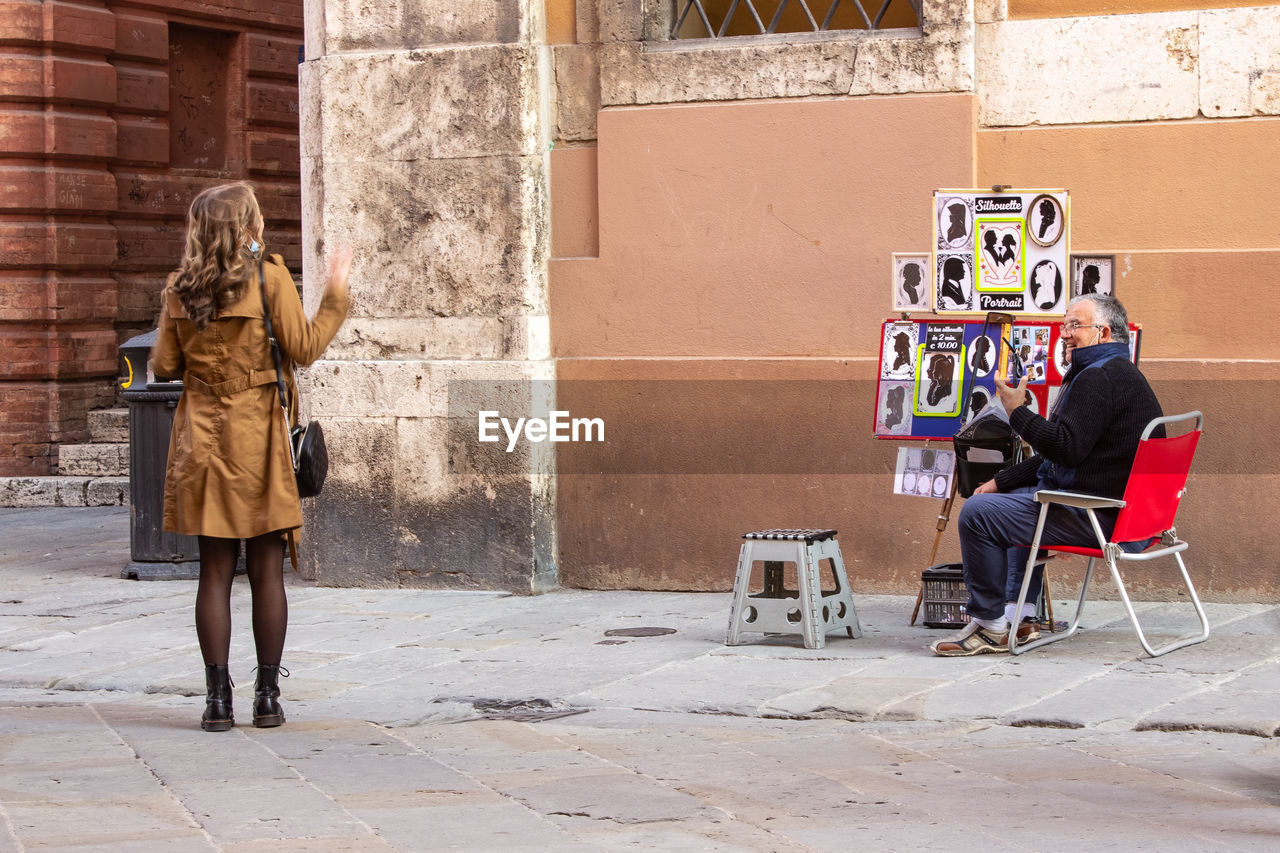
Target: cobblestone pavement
(424, 720)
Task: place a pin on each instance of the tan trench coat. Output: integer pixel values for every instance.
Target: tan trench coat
(229, 472)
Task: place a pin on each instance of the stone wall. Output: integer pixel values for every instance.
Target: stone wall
(425, 132)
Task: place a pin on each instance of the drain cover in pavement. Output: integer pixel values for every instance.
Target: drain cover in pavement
(638, 632)
(523, 710)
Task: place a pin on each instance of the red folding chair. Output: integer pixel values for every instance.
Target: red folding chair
(1156, 484)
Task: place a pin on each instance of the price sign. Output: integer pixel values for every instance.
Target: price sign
(940, 337)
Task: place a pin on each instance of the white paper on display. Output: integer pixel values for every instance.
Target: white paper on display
(924, 472)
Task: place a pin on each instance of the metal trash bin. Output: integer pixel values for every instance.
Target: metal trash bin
(155, 554)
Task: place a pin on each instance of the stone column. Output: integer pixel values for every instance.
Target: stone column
(425, 146)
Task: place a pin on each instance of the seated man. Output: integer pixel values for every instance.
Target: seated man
(1086, 445)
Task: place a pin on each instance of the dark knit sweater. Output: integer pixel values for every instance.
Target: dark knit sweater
(1095, 432)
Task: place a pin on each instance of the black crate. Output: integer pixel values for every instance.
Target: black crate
(944, 596)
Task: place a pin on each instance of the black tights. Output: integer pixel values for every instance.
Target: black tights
(264, 556)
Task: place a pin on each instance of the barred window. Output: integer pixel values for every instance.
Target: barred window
(721, 18)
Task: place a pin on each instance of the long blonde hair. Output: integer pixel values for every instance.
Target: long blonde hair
(217, 263)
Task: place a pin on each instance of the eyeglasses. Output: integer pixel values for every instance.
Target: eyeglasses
(1071, 326)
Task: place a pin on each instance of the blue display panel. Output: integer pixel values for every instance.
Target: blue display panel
(935, 374)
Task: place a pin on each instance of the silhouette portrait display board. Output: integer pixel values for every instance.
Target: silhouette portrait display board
(937, 373)
(1001, 251)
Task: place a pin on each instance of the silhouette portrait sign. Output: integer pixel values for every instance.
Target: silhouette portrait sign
(912, 282)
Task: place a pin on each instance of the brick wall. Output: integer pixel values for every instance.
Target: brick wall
(95, 102)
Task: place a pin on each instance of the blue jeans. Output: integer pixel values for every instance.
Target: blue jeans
(992, 527)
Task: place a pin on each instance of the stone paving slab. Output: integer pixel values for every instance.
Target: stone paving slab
(1248, 703)
(68, 781)
(397, 739)
(898, 786)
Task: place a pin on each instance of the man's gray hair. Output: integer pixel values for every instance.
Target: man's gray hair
(1109, 312)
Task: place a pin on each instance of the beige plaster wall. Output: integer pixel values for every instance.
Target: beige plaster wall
(756, 228)
(742, 246)
(575, 208)
(799, 454)
(1184, 206)
(728, 254)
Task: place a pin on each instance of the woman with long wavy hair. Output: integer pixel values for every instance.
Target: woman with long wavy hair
(229, 475)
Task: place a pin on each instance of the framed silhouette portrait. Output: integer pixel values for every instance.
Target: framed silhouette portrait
(912, 282)
(893, 414)
(1060, 361)
(1045, 221)
(979, 397)
(954, 221)
(897, 351)
(954, 276)
(939, 378)
(983, 352)
(1045, 287)
(1093, 274)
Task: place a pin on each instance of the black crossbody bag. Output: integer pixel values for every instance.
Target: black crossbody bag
(306, 444)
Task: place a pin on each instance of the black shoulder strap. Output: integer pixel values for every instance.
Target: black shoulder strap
(271, 338)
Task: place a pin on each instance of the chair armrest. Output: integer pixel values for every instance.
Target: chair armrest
(1048, 496)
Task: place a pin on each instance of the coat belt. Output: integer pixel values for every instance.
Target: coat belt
(235, 385)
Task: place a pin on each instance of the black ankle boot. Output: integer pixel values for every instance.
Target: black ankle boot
(217, 702)
(266, 690)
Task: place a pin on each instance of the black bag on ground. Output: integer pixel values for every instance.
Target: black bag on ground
(985, 445)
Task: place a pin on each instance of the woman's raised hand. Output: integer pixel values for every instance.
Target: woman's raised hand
(339, 267)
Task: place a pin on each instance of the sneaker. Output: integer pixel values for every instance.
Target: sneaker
(1028, 631)
(974, 640)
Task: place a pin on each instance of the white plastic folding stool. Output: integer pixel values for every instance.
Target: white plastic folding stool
(809, 610)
